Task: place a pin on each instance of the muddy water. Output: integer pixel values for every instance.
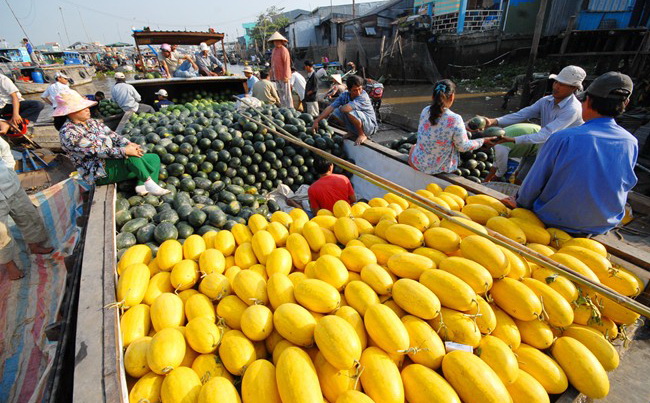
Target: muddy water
(409, 100)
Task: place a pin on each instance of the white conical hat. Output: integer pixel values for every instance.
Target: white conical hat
(277, 37)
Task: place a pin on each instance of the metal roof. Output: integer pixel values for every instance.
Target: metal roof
(176, 37)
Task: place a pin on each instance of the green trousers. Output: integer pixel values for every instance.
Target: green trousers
(140, 168)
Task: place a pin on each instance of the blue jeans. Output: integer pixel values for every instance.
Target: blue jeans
(186, 70)
(368, 127)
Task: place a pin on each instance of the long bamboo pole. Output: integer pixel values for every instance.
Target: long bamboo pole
(449, 215)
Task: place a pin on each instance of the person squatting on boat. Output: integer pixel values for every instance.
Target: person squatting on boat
(441, 134)
(100, 155)
(354, 109)
(14, 106)
(127, 97)
(14, 202)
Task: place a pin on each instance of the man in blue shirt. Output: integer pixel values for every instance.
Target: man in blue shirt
(557, 111)
(354, 109)
(162, 101)
(582, 175)
(30, 49)
(250, 79)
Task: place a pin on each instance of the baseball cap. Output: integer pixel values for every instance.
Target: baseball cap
(613, 85)
(204, 46)
(60, 74)
(119, 75)
(166, 46)
(162, 92)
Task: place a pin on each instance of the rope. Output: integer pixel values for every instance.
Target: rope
(450, 215)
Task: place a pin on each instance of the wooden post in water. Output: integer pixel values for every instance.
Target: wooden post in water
(539, 25)
(144, 67)
(225, 56)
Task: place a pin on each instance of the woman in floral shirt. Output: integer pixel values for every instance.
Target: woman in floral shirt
(442, 134)
(100, 155)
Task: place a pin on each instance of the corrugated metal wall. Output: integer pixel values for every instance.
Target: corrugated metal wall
(558, 14)
(610, 5)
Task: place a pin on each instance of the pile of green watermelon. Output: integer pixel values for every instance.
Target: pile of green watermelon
(197, 96)
(108, 107)
(218, 165)
(475, 165)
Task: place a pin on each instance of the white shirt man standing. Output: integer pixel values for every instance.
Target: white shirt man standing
(298, 84)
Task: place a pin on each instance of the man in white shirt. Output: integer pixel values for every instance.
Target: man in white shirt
(12, 103)
(127, 97)
(558, 111)
(298, 84)
(16, 203)
(61, 84)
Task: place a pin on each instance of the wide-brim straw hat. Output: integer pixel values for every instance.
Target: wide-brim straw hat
(248, 69)
(337, 78)
(277, 37)
(70, 102)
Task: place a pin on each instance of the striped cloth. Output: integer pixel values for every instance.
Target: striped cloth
(28, 305)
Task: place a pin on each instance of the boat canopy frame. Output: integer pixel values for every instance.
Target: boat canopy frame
(179, 38)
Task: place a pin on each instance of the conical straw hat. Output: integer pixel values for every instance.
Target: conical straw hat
(277, 37)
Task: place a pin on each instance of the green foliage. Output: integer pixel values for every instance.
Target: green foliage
(267, 23)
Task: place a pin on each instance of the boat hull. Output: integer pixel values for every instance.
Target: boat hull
(78, 73)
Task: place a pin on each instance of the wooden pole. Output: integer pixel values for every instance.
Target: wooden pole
(144, 67)
(567, 34)
(225, 56)
(539, 25)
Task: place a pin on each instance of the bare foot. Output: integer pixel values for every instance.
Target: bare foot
(360, 139)
(40, 250)
(13, 271)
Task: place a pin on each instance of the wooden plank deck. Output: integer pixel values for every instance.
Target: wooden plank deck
(98, 350)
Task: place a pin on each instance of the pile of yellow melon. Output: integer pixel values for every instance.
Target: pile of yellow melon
(359, 304)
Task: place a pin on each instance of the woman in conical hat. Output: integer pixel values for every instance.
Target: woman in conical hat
(281, 68)
(100, 155)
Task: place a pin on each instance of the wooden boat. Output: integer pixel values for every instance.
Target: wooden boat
(78, 73)
(100, 375)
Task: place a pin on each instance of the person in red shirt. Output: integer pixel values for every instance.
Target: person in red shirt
(330, 188)
(281, 68)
